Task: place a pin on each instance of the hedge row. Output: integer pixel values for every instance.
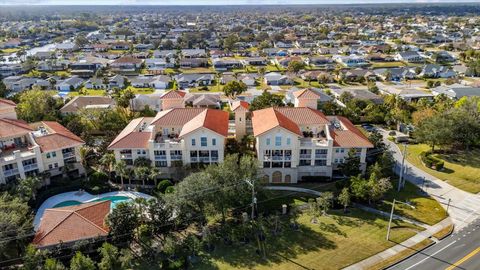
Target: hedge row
(431, 162)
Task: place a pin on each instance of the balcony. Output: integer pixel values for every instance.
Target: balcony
(305, 156)
(11, 172)
(160, 157)
(311, 142)
(68, 155)
(167, 144)
(321, 156)
(193, 159)
(214, 159)
(30, 167)
(205, 159)
(126, 156)
(176, 157)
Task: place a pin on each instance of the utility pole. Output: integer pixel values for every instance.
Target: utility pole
(390, 221)
(251, 183)
(400, 180)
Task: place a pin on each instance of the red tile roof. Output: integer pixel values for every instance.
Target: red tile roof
(72, 223)
(58, 138)
(7, 102)
(176, 117)
(215, 120)
(349, 135)
(173, 94)
(268, 119)
(13, 127)
(240, 104)
(306, 94)
(131, 136)
(303, 115)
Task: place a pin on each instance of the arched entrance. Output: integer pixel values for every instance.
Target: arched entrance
(276, 177)
(288, 178)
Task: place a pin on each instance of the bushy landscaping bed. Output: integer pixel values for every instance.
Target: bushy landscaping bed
(431, 161)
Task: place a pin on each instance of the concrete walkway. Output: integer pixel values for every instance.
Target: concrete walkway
(294, 189)
(464, 207)
(407, 244)
(385, 214)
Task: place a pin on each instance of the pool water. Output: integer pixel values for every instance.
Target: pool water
(113, 199)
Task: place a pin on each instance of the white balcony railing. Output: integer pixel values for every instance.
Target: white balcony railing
(176, 157)
(305, 156)
(30, 167)
(214, 159)
(204, 159)
(321, 156)
(10, 172)
(193, 159)
(68, 155)
(160, 157)
(126, 156)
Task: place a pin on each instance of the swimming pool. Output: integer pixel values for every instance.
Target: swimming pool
(113, 199)
(78, 197)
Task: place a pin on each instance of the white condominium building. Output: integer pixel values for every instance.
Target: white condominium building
(294, 143)
(31, 149)
(173, 138)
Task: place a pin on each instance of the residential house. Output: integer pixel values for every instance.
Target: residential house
(295, 144)
(10, 69)
(172, 100)
(223, 64)
(357, 93)
(87, 102)
(351, 60)
(126, 64)
(193, 62)
(456, 91)
(275, 78)
(437, 71)
(173, 138)
(254, 61)
(186, 80)
(69, 84)
(410, 57)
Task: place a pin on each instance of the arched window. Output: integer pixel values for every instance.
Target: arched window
(288, 178)
(276, 177)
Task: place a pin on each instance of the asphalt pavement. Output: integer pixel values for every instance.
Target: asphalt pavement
(459, 251)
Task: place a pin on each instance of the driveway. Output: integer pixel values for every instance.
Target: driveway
(464, 207)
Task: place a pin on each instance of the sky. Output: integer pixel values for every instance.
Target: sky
(210, 2)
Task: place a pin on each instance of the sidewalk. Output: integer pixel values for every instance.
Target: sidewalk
(407, 244)
(464, 207)
(385, 214)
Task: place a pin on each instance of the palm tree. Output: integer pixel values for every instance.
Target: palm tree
(154, 173)
(85, 154)
(108, 161)
(141, 173)
(28, 187)
(121, 170)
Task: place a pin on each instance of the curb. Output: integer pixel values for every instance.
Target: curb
(411, 255)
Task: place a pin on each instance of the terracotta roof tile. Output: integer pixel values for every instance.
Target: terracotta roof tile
(267, 119)
(58, 138)
(7, 102)
(306, 94)
(13, 127)
(173, 94)
(215, 120)
(240, 104)
(131, 136)
(303, 115)
(176, 117)
(72, 223)
(349, 135)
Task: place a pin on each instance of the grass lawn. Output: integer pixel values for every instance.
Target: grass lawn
(427, 209)
(462, 169)
(336, 241)
(89, 92)
(197, 70)
(387, 64)
(213, 88)
(136, 90)
(10, 50)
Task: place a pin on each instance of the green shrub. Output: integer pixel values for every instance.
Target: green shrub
(431, 162)
(163, 185)
(169, 190)
(392, 133)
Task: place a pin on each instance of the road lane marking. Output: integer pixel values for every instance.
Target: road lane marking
(429, 256)
(464, 259)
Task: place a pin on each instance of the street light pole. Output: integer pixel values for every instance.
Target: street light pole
(400, 180)
(390, 221)
(251, 183)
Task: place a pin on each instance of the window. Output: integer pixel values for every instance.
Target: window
(305, 162)
(342, 150)
(320, 162)
(278, 141)
(214, 141)
(161, 164)
(336, 160)
(214, 153)
(288, 141)
(51, 154)
(193, 142)
(321, 151)
(268, 141)
(203, 141)
(193, 154)
(141, 152)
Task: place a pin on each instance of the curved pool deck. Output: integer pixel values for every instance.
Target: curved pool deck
(82, 197)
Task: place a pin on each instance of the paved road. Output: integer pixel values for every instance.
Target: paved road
(460, 251)
(464, 207)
